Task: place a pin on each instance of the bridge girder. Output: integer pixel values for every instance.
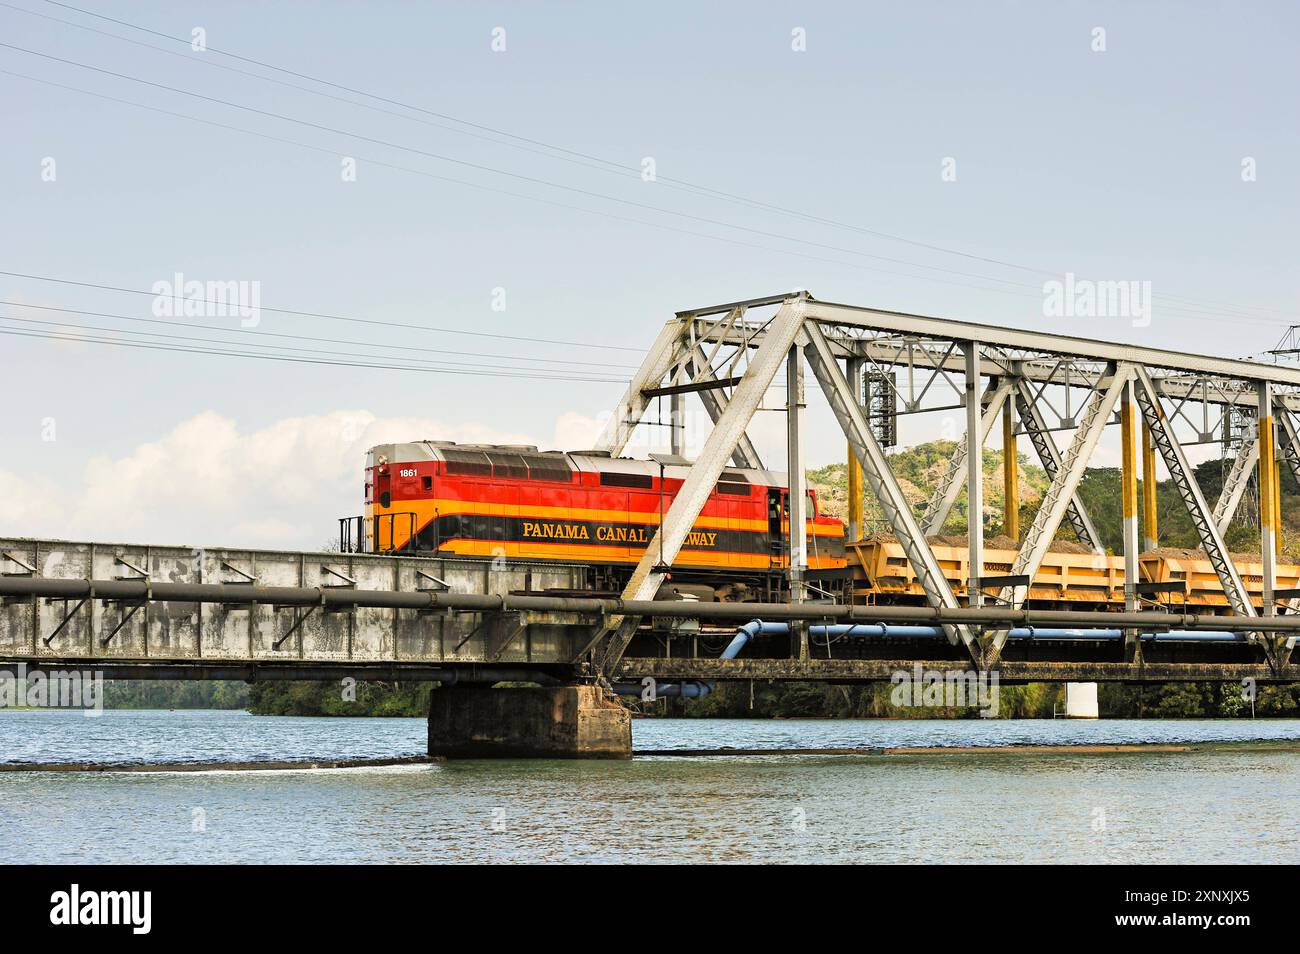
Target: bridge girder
(1031, 368)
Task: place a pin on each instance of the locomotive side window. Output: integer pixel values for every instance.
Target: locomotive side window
(615, 479)
(427, 483)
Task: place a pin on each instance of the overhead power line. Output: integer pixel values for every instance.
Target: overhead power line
(343, 362)
(518, 195)
(558, 374)
(1030, 290)
(480, 167)
(324, 316)
(347, 341)
(589, 160)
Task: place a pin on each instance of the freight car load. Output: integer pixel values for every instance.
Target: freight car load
(1071, 576)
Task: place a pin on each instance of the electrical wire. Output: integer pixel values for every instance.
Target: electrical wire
(346, 341)
(116, 342)
(586, 159)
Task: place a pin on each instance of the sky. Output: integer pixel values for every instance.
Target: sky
(490, 206)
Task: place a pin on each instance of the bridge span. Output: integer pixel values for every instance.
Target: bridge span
(157, 612)
(139, 611)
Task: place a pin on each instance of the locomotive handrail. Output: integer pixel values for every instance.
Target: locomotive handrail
(351, 541)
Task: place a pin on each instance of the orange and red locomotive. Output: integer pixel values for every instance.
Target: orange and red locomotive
(487, 501)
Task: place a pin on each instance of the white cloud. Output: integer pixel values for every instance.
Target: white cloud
(208, 483)
(574, 431)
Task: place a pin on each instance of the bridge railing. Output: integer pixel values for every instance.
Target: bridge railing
(101, 626)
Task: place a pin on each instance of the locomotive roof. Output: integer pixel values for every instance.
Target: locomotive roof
(586, 461)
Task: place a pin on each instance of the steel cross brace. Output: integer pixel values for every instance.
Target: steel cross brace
(1031, 418)
(667, 542)
(949, 487)
(1235, 481)
(875, 470)
(715, 403)
(1290, 443)
(667, 351)
(1056, 500)
(1180, 471)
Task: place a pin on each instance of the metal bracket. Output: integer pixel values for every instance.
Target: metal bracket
(67, 616)
(347, 580)
(296, 624)
(439, 585)
(126, 618)
(493, 653)
(248, 577)
(28, 569)
(139, 573)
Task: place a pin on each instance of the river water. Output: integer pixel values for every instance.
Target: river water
(1196, 807)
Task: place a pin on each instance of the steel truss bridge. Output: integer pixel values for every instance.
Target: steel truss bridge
(139, 611)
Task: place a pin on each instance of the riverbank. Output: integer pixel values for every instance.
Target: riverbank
(1151, 748)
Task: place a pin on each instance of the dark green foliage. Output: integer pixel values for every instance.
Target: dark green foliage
(174, 694)
(328, 699)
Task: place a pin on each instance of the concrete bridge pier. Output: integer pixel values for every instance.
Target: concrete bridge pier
(555, 722)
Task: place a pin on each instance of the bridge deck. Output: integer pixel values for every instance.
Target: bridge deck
(106, 630)
(135, 611)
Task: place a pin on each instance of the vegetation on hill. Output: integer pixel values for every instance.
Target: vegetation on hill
(920, 468)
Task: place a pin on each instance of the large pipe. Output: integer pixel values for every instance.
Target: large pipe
(757, 627)
(245, 594)
(1182, 636)
(684, 690)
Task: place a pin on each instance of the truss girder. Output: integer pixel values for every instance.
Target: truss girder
(1018, 339)
(1180, 471)
(1041, 366)
(715, 403)
(690, 498)
(1031, 418)
(1290, 442)
(949, 487)
(1235, 482)
(1057, 497)
(667, 350)
(875, 469)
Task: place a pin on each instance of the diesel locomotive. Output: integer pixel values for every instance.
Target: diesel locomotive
(519, 503)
